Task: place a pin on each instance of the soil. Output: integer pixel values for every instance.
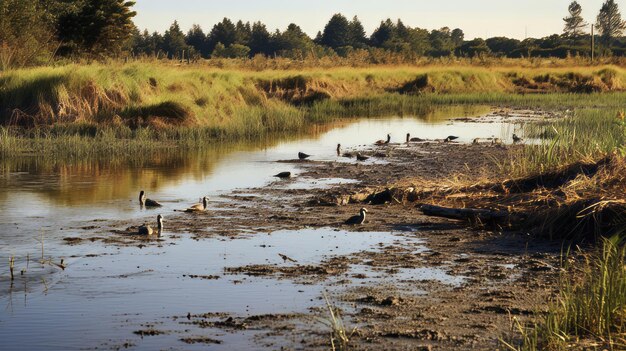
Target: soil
(508, 276)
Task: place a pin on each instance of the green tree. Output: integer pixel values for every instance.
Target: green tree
(472, 48)
(441, 42)
(260, 40)
(174, 41)
(26, 33)
(574, 23)
(385, 32)
(224, 32)
(99, 28)
(243, 32)
(457, 37)
(293, 42)
(197, 40)
(357, 34)
(336, 32)
(609, 22)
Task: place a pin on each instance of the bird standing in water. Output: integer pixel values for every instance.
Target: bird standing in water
(357, 219)
(383, 142)
(147, 229)
(360, 157)
(200, 206)
(283, 175)
(338, 149)
(143, 201)
(303, 156)
(450, 138)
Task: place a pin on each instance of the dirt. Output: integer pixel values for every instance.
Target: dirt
(507, 276)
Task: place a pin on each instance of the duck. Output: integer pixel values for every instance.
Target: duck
(199, 207)
(143, 201)
(283, 175)
(360, 157)
(303, 156)
(359, 219)
(450, 138)
(147, 229)
(517, 139)
(383, 142)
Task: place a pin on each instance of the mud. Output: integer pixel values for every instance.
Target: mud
(498, 277)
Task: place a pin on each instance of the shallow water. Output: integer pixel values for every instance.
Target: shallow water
(101, 298)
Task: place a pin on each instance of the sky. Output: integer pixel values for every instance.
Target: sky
(478, 18)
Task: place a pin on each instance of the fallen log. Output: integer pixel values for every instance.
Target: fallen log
(474, 215)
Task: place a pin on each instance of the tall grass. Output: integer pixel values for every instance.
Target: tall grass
(590, 308)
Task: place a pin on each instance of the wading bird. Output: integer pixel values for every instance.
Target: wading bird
(303, 156)
(360, 157)
(450, 138)
(199, 207)
(338, 149)
(147, 229)
(382, 142)
(359, 219)
(143, 201)
(283, 175)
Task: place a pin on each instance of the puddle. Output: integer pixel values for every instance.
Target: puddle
(107, 297)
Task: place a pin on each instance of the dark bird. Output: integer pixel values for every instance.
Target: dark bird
(147, 230)
(408, 138)
(357, 219)
(517, 139)
(450, 138)
(338, 149)
(143, 201)
(286, 258)
(382, 142)
(283, 175)
(199, 207)
(360, 157)
(303, 156)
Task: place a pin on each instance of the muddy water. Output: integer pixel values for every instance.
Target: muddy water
(106, 292)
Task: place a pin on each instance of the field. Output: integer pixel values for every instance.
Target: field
(567, 185)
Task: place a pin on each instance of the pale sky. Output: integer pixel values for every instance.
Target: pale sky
(477, 18)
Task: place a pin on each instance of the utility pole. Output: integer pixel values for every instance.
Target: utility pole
(592, 44)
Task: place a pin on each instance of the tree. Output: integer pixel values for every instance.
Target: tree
(259, 40)
(473, 48)
(503, 46)
(198, 40)
(242, 33)
(26, 33)
(385, 32)
(224, 32)
(357, 34)
(574, 23)
(98, 28)
(609, 22)
(293, 42)
(337, 32)
(174, 41)
(457, 37)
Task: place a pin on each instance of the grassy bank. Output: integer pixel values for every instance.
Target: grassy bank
(146, 105)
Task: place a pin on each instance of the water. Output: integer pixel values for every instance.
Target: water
(106, 292)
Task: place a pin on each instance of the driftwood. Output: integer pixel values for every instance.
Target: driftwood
(475, 216)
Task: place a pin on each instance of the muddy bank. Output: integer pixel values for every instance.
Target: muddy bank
(437, 284)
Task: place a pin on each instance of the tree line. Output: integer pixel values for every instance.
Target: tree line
(37, 31)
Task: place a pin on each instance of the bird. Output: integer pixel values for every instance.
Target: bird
(450, 138)
(476, 141)
(199, 207)
(408, 138)
(303, 156)
(357, 219)
(338, 149)
(360, 157)
(143, 201)
(283, 175)
(286, 258)
(147, 229)
(517, 139)
(382, 142)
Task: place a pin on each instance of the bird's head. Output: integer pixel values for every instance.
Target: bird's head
(363, 210)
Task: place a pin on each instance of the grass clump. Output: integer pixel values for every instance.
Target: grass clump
(589, 310)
